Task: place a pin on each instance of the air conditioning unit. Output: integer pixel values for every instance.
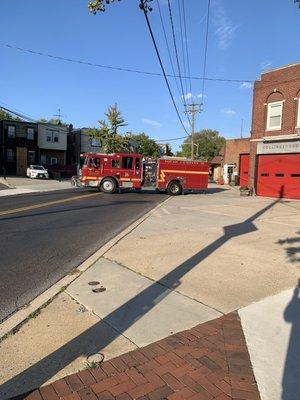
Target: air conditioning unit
(297, 131)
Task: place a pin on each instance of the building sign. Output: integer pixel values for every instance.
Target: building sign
(292, 146)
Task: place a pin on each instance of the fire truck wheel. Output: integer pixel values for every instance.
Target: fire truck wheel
(108, 185)
(174, 188)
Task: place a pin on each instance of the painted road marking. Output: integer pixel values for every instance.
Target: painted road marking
(49, 203)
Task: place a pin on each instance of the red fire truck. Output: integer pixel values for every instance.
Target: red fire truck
(110, 172)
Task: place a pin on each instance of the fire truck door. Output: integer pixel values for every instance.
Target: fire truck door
(94, 170)
(127, 171)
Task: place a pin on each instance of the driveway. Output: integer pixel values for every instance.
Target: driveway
(226, 251)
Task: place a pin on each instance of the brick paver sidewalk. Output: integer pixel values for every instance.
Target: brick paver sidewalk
(210, 361)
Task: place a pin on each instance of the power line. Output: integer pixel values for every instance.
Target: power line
(26, 118)
(205, 50)
(18, 114)
(173, 139)
(29, 119)
(168, 48)
(143, 7)
(123, 69)
(186, 46)
(182, 45)
(175, 47)
(14, 110)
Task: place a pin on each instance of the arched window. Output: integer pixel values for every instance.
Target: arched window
(274, 111)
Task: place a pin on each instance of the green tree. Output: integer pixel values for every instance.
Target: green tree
(208, 145)
(52, 121)
(107, 134)
(144, 144)
(99, 5)
(6, 115)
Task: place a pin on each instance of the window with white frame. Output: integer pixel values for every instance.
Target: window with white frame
(298, 115)
(52, 136)
(11, 131)
(274, 117)
(30, 133)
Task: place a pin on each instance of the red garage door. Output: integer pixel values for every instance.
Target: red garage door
(244, 169)
(279, 176)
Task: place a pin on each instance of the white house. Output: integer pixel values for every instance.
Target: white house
(52, 141)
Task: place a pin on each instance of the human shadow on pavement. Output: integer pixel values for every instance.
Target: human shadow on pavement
(92, 340)
(291, 374)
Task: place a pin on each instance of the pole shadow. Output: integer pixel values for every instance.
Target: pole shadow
(124, 316)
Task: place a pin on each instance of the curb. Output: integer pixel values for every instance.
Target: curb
(13, 322)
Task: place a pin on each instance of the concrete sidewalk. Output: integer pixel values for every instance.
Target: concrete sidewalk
(272, 330)
(193, 260)
(21, 185)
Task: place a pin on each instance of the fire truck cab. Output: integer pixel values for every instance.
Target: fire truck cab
(110, 172)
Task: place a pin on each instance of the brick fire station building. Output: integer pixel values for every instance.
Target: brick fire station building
(274, 168)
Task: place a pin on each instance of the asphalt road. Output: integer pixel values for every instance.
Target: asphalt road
(44, 236)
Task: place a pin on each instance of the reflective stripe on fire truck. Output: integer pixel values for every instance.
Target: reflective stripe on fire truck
(95, 178)
(129, 179)
(90, 178)
(174, 171)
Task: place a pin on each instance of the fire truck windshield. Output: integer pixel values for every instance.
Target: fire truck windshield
(83, 161)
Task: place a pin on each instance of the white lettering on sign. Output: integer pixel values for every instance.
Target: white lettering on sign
(278, 147)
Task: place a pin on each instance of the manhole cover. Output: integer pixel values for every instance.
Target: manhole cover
(95, 359)
(99, 290)
(94, 283)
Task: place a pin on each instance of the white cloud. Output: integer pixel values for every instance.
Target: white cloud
(246, 85)
(152, 122)
(188, 96)
(228, 112)
(191, 96)
(265, 64)
(225, 29)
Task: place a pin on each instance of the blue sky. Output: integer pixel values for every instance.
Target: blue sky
(245, 37)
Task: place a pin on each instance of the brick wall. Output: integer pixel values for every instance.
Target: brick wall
(233, 149)
(280, 84)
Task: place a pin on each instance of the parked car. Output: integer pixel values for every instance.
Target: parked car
(37, 171)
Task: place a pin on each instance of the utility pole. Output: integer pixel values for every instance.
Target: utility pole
(242, 127)
(192, 109)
